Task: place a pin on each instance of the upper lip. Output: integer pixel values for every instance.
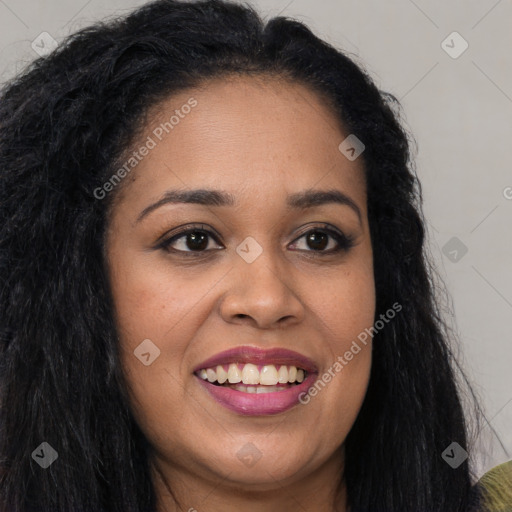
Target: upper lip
(255, 355)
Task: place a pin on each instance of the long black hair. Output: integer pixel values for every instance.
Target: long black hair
(65, 123)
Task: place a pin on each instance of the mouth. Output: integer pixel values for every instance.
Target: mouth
(252, 381)
(252, 378)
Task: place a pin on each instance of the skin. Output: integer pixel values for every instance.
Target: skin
(260, 140)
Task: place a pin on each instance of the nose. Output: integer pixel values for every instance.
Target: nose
(263, 293)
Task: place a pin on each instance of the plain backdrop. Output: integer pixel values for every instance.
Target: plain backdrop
(456, 92)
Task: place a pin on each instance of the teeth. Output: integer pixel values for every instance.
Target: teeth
(222, 375)
(234, 374)
(282, 375)
(258, 389)
(268, 389)
(248, 374)
(269, 375)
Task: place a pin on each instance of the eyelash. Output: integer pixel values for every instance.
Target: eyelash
(345, 242)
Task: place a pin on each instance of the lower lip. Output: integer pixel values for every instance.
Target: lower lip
(252, 404)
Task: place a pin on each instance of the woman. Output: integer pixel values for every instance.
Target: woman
(215, 291)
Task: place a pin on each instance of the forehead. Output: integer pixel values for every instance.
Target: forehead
(254, 137)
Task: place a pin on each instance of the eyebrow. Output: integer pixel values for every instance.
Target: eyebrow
(207, 197)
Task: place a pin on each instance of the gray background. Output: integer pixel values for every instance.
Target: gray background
(460, 113)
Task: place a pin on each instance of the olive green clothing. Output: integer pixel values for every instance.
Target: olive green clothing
(495, 489)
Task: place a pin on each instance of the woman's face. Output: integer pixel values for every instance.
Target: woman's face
(260, 276)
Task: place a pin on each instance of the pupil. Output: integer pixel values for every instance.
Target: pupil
(315, 237)
(199, 241)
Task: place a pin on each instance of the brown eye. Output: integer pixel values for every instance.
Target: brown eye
(318, 241)
(189, 241)
(196, 241)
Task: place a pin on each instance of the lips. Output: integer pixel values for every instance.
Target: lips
(258, 399)
(259, 356)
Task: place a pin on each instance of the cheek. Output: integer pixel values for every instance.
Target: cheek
(344, 305)
(152, 303)
(347, 312)
(151, 307)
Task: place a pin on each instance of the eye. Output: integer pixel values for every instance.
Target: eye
(196, 240)
(318, 239)
(192, 240)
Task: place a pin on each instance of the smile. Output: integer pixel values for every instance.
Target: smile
(251, 378)
(246, 382)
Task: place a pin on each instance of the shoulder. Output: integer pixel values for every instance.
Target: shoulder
(495, 489)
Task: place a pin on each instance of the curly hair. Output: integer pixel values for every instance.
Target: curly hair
(65, 123)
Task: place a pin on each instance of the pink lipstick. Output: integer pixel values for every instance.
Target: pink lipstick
(253, 381)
